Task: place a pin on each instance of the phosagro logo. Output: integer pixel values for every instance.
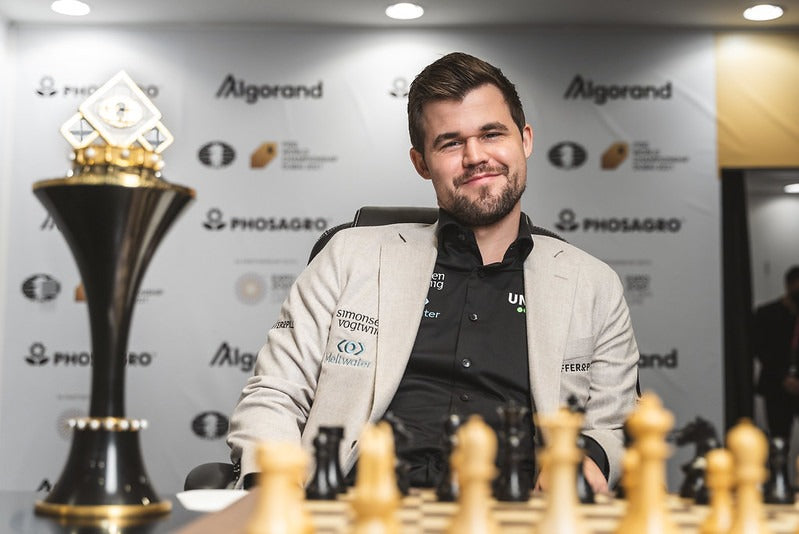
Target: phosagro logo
(214, 222)
(601, 93)
(567, 155)
(38, 357)
(567, 222)
(229, 356)
(48, 88)
(251, 93)
(668, 360)
(41, 287)
(210, 425)
(216, 154)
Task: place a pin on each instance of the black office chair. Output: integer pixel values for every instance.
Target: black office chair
(218, 475)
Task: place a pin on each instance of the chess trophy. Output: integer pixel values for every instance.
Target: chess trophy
(113, 209)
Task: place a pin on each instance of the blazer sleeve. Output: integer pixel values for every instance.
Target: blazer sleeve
(275, 402)
(613, 375)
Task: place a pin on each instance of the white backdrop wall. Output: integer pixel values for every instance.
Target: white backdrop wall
(5, 174)
(215, 285)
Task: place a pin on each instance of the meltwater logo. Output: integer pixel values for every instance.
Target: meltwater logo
(581, 88)
(252, 92)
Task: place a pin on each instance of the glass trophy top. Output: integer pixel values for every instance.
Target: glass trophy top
(121, 115)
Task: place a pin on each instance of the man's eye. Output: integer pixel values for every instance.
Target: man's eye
(450, 144)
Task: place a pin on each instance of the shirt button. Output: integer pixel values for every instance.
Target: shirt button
(466, 362)
(462, 237)
(465, 397)
(472, 316)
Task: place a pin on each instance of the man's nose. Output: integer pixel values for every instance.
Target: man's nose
(473, 152)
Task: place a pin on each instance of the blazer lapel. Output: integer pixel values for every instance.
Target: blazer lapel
(549, 287)
(406, 263)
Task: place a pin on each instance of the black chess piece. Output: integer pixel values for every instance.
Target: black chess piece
(777, 489)
(702, 434)
(512, 485)
(335, 476)
(447, 488)
(585, 493)
(402, 437)
(321, 487)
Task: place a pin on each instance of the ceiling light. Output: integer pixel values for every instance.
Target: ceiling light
(763, 12)
(791, 188)
(405, 11)
(73, 8)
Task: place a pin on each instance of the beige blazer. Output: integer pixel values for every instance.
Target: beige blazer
(339, 348)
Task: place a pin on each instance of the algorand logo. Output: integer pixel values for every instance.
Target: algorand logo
(568, 222)
(251, 92)
(600, 93)
(668, 360)
(227, 356)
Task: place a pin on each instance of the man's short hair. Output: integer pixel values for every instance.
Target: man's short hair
(792, 275)
(450, 78)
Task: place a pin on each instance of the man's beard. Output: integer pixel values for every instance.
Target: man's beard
(487, 209)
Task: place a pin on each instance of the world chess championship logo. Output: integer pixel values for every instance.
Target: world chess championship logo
(615, 155)
(567, 155)
(263, 155)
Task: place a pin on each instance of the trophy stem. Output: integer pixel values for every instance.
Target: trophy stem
(113, 232)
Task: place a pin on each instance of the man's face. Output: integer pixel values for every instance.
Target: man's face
(474, 155)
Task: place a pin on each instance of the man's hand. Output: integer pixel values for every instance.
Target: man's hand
(791, 385)
(592, 473)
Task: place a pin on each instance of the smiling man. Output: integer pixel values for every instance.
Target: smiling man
(463, 316)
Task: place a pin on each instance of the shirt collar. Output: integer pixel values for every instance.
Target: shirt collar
(449, 227)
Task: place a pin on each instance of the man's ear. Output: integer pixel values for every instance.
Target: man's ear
(527, 140)
(417, 158)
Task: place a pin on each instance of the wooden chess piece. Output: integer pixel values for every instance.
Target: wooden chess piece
(749, 448)
(279, 508)
(648, 513)
(473, 461)
(562, 458)
(376, 498)
(719, 480)
(630, 465)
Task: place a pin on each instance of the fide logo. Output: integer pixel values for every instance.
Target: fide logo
(567, 155)
(210, 425)
(216, 154)
(213, 220)
(567, 220)
(41, 288)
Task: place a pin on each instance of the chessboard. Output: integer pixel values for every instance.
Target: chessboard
(375, 505)
(421, 513)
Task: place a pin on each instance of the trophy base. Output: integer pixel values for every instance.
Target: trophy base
(104, 478)
(128, 513)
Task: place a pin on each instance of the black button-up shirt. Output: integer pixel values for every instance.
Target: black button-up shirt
(470, 354)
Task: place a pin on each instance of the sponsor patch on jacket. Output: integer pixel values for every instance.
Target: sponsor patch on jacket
(283, 324)
(575, 367)
(338, 359)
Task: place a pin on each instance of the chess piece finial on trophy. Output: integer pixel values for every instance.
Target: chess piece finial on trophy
(113, 209)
